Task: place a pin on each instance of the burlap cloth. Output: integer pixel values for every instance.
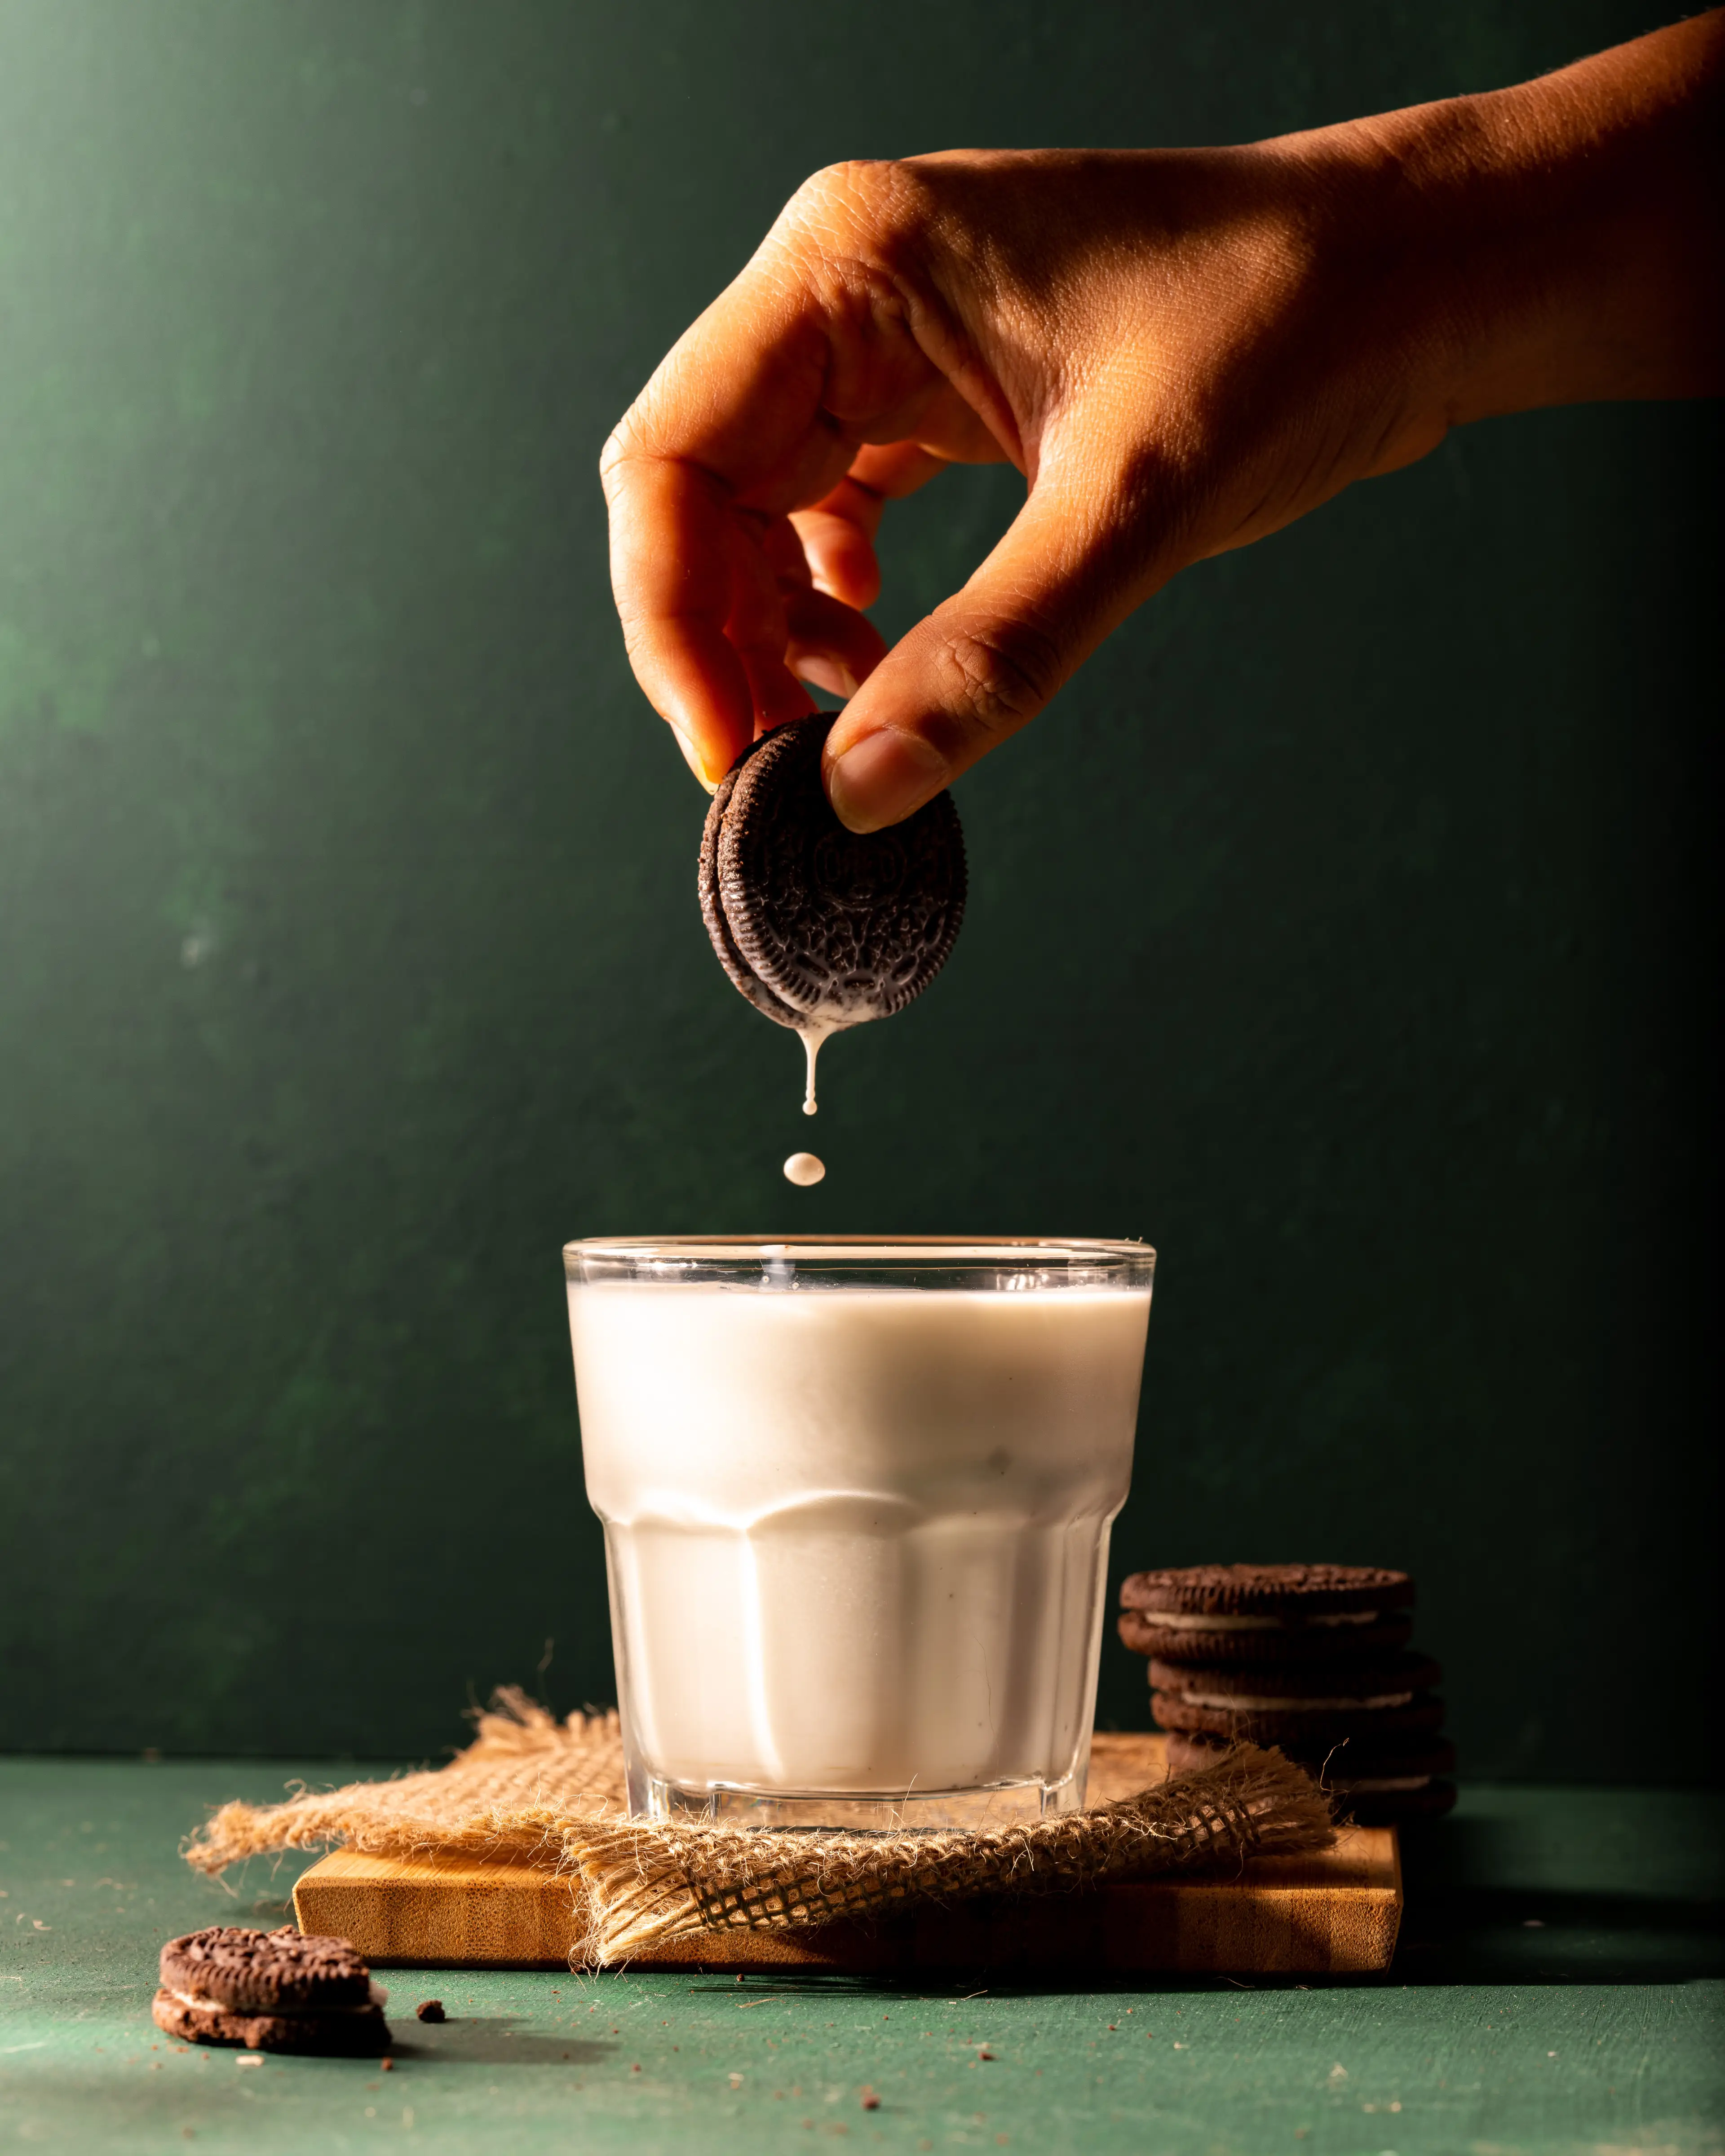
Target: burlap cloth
(552, 1793)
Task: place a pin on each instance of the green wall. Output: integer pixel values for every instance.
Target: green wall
(1342, 930)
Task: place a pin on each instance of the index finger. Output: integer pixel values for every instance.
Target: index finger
(728, 433)
(759, 408)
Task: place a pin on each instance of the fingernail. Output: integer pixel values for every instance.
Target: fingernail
(691, 757)
(885, 776)
(825, 673)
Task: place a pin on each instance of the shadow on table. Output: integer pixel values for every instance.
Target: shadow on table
(1587, 1939)
(1467, 1921)
(1485, 1935)
(494, 2040)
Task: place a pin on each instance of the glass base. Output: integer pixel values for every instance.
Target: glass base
(724, 1804)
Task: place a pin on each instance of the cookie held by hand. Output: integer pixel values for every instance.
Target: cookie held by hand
(819, 927)
(270, 1991)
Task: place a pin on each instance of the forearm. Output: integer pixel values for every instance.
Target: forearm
(1564, 241)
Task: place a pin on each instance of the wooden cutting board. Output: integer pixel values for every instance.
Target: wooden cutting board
(1335, 1911)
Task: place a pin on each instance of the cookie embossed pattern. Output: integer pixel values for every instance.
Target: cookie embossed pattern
(822, 929)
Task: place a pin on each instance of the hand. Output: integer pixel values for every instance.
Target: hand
(1181, 351)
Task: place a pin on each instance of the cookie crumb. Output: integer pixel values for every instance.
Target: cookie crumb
(431, 2009)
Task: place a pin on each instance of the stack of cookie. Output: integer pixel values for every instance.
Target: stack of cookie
(1313, 1658)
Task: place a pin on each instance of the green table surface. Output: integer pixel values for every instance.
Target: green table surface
(1558, 1989)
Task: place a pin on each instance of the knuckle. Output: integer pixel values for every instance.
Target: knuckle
(626, 445)
(861, 210)
(1001, 675)
(852, 184)
(615, 453)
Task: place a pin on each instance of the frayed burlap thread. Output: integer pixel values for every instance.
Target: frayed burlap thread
(551, 1793)
(516, 1791)
(647, 1885)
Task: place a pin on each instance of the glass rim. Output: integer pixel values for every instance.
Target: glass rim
(943, 1252)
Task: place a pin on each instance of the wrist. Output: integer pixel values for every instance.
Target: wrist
(1558, 242)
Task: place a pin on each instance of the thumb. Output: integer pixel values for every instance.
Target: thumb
(985, 662)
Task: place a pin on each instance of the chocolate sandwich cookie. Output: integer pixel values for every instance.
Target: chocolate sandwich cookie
(1266, 1613)
(270, 1991)
(1301, 1704)
(818, 927)
(1374, 1781)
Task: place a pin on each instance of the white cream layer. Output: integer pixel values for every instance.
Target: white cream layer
(1265, 1703)
(200, 2003)
(1204, 1620)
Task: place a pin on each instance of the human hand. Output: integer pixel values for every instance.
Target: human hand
(1181, 351)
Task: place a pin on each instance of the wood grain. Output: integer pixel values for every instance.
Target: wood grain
(1336, 1911)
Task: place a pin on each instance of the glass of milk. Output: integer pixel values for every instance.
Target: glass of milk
(856, 1494)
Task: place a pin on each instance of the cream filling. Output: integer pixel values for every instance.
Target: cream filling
(1263, 1704)
(1382, 1782)
(1203, 1621)
(200, 2003)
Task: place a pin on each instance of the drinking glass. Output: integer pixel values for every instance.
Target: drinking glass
(856, 1494)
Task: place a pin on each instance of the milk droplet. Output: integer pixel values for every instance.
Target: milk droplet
(804, 1167)
(812, 1041)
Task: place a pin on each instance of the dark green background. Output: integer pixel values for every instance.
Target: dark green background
(1341, 930)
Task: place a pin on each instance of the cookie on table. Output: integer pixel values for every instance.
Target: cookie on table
(1296, 1704)
(1266, 1613)
(270, 1991)
(1378, 1781)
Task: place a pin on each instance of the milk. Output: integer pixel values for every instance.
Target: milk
(857, 1537)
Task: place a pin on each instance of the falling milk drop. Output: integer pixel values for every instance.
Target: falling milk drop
(804, 1167)
(814, 1031)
